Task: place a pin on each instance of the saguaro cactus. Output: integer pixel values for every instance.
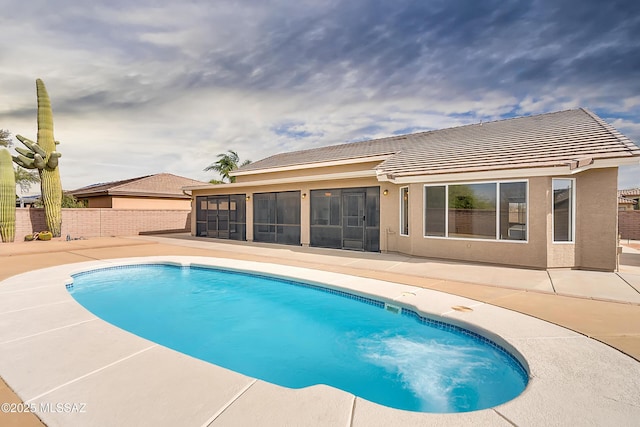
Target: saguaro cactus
(7, 198)
(42, 155)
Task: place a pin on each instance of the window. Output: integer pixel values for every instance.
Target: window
(513, 211)
(490, 210)
(472, 211)
(435, 211)
(563, 208)
(404, 211)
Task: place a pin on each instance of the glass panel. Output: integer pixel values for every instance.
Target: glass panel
(472, 211)
(435, 211)
(372, 226)
(320, 208)
(404, 211)
(264, 208)
(277, 217)
(201, 208)
(513, 211)
(288, 207)
(335, 217)
(563, 210)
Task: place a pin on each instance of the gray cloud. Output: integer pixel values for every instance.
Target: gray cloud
(293, 75)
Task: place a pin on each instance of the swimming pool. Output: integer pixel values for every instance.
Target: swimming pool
(299, 334)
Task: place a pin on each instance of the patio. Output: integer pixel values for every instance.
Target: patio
(602, 306)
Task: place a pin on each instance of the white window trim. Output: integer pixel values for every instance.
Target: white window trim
(408, 212)
(573, 213)
(446, 217)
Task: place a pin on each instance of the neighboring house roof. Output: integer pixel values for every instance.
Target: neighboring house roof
(629, 192)
(158, 185)
(625, 201)
(629, 196)
(573, 138)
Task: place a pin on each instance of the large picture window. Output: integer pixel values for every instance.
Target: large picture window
(563, 201)
(472, 211)
(489, 210)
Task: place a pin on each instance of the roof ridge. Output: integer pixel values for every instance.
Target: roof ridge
(405, 135)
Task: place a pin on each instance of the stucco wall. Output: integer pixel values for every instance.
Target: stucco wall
(596, 215)
(596, 220)
(529, 254)
(104, 222)
(150, 203)
(98, 202)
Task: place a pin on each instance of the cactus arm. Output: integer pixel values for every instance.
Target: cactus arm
(52, 163)
(38, 161)
(24, 152)
(33, 146)
(24, 162)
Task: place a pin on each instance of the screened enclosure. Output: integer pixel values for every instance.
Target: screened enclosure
(222, 217)
(346, 218)
(276, 217)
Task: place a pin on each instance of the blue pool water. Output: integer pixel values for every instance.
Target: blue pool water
(297, 335)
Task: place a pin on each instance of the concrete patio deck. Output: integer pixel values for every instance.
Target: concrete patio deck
(602, 306)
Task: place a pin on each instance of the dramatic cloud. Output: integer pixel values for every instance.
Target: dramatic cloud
(160, 86)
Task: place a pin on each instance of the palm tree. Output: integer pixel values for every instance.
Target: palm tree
(224, 165)
(24, 177)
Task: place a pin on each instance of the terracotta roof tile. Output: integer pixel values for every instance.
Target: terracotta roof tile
(162, 184)
(625, 201)
(629, 192)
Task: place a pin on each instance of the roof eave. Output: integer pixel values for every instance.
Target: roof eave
(299, 166)
(292, 180)
(568, 168)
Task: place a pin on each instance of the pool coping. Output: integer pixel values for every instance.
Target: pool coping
(55, 352)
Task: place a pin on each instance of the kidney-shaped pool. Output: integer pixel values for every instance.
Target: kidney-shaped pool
(298, 334)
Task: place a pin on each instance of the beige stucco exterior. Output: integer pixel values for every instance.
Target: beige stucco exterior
(594, 246)
(138, 203)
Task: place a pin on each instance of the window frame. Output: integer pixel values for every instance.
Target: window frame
(404, 211)
(573, 214)
(446, 216)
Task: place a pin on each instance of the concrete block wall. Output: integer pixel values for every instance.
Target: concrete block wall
(104, 222)
(629, 224)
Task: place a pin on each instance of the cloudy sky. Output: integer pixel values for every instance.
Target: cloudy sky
(148, 86)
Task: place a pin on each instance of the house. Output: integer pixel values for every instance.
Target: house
(536, 191)
(162, 191)
(629, 200)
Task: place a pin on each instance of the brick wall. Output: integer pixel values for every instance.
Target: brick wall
(104, 222)
(629, 224)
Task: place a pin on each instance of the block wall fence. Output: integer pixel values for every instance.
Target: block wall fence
(629, 224)
(93, 222)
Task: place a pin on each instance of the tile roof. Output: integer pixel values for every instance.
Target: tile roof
(332, 153)
(551, 139)
(629, 192)
(159, 185)
(625, 201)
